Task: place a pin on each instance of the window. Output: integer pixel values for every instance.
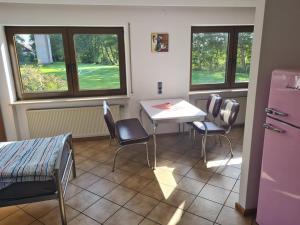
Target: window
(67, 61)
(220, 57)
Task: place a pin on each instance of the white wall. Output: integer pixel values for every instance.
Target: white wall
(279, 48)
(172, 68)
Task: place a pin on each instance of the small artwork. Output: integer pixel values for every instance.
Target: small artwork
(159, 42)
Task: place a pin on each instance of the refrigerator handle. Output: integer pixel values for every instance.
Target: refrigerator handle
(275, 112)
(272, 128)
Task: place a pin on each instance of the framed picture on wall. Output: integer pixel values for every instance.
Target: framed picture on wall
(159, 42)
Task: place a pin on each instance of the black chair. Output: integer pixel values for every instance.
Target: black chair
(126, 132)
(213, 106)
(228, 115)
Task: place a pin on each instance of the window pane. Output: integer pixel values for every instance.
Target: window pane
(42, 62)
(209, 58)
(243, 56)
(97, 58)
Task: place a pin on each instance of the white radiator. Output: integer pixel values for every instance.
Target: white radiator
(81, 121)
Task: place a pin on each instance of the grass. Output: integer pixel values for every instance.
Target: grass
(91, 76)
(203, 77)
(97, 77)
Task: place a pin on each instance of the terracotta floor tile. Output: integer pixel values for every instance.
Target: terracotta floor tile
(118, 176)
(222, 181)
(141, 204)
(19, 217)
(229, 216)
(190, 219)
(190, 185)
(199, 175)
(214, 193)
(232, 199)
(53, 217)
(87, 165)
(82, 201)
(85, 180)
(102, 187)
(36, 223)
(131, 167)
(71, 191)
(236, 187)
(6, 211)
(120, 195)
(166, 214)
(101, 170)
(39, 209)
(101, 210)
(167, 178)
(205, 208)
(148, 222)
(180, 169)
(83, 220)
(124, 217)
(229, 171)
(157, 191)
(180, 199)
(136, 183)
(147, 173)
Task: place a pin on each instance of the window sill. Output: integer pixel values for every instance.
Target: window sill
(236, 91)
(68, 100)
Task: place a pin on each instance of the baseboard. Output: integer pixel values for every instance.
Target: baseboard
(243, 211)
(95, 138)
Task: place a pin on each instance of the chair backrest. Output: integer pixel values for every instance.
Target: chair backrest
(229, 111)
(213, 105)
(109, 120)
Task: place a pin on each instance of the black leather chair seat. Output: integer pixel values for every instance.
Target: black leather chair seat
(131, 131)
(212, 128)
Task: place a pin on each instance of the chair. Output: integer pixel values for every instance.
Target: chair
(228, 115)
(213, 106)
(126, 132)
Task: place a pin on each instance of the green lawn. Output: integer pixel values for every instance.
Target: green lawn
(97, 77)
(91, 76)
(202, 77)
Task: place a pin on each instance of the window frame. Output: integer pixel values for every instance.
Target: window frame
(70, 61)
(233, 32)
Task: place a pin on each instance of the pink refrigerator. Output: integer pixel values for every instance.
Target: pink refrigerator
(279, 192)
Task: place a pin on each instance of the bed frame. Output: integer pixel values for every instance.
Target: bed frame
(62, 174)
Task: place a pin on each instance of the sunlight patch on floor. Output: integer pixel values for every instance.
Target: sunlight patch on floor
(224, 162)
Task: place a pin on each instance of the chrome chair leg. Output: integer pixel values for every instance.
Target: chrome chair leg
(147, 152)
(204, 148)
(115, 158)
(230, 145)
(194, 136)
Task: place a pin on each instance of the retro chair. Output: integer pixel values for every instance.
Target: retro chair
(213, 106)
(228, 115)
(126, 132)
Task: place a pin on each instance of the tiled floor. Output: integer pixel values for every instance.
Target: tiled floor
(182, 190)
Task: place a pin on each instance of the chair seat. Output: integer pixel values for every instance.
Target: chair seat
(130, 131)
(212, 128)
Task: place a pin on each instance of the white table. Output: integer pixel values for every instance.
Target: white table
(169, 111)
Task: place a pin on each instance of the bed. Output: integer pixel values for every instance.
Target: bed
(36, 170)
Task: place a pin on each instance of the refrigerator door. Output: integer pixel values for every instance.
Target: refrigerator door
(279, 193)
(284, 99)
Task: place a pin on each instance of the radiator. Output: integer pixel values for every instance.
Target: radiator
(201, 103)
(81, 121)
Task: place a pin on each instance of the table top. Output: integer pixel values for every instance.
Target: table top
(175, 110)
